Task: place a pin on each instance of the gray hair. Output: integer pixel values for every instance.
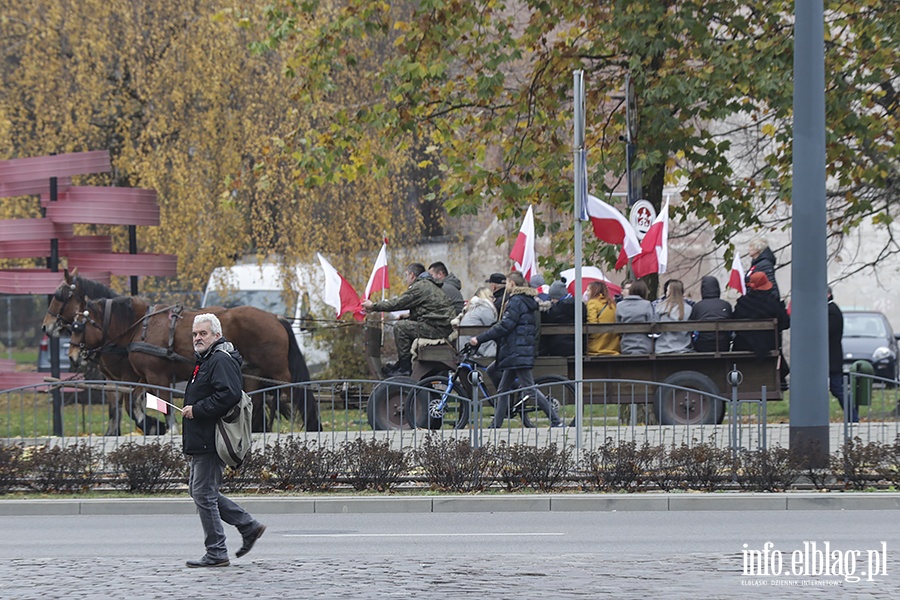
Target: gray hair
(758, 244)
(215, 326)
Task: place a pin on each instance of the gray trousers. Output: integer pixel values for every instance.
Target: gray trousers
(521, 379)
(204, 483)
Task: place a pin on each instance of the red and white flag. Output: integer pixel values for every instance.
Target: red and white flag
(339, 293)
(654, 247)
(612, 227)
(157, 403)
(522, 253)
(736, 279)
(379, 280)
(588, 274)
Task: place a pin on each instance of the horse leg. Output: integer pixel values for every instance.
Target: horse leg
(310, 408)
(113, 426)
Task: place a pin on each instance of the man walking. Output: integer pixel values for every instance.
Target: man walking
(836, 357)
(430, 313)
(213, 390)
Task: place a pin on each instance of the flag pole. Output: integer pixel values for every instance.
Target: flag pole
(383, 275)
(580, 196)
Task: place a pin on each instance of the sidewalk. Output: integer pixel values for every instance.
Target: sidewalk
(665, 502)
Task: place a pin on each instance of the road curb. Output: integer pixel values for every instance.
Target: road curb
(468, 504)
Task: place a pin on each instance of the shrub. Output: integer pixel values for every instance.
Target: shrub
(858, 464)
(248, 475)
(373, 464)
(619, 467)
(295, 463)
(57, 469)
(147, 468)
(890, 466)
(702, 465)
(544, 469)
(772, 470)
(454, 465)
(10, 467)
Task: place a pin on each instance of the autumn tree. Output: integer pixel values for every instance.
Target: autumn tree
(489, 84)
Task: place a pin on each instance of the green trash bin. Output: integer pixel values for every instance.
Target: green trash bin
(861, 385)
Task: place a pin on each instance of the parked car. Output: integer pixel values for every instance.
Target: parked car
(43, 362)
(868, 336)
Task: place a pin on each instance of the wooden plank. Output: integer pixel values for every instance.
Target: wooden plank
(39, 281)
(38, 168)
(41, 247)
(12, 230)
(105, 205)
(33, 188)
(156, 265)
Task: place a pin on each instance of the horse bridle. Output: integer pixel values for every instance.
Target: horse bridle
(57, 295)
(79, 325)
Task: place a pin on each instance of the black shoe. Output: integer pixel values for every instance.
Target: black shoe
(397, 369)
(388, 368)
(208, 562)
(250, 539)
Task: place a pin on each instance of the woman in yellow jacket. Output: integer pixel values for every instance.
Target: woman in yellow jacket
(601, 308)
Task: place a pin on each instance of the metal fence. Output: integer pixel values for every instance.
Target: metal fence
(405, 412)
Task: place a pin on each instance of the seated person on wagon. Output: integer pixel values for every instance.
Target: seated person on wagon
(430, 312)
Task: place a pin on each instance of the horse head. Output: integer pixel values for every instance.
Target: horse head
(104, 326)
(69, 299)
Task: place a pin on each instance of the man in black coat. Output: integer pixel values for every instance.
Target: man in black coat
(214, 389)
(836, 356)
(516, 333)
(711, 308)
(760, 303)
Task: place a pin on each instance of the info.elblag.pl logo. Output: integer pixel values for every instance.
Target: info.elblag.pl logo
(815, 559)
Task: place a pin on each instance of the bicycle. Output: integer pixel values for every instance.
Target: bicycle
(451, 395)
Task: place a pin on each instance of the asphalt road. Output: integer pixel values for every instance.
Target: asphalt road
(481, 555)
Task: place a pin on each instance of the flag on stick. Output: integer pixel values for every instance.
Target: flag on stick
(378, 280)
(339, 293)
(157, 403)
(612, 227)
(736, 279)
(654, 247)
(522, 253)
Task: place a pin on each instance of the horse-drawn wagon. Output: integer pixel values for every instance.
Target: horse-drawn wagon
(684, 388)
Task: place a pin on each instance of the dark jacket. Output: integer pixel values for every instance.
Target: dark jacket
(757, 304)
(499, 296)
(765, 262)
(452, 287)
(425, 301)
(516, 333)
(560, 312)
(835, 334)
(213, 390)
(711, 308)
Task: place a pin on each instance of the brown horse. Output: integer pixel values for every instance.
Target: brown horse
(66, 302)
(160, 349)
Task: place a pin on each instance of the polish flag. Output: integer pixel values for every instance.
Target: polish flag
(654, 247)
(522, 253)
(588, 274)
(157, 403)
(339, 293)
(379, 280)
(612, 227)
(736, 279)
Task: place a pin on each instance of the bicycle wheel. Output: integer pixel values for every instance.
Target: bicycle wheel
(422, 406)
(559, 392)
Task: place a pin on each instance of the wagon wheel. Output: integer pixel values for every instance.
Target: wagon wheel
(386, 404)
(685, 407)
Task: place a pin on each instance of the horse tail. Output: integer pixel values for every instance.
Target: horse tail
(300, 374)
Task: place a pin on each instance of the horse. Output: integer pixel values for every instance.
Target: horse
(160, 349)
(65, 303)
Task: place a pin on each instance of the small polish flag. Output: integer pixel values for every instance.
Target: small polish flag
(654, 247)
(588, 275)
(378, 280)
(612, 227)
(339, 293)
(522, 253)
(157, 403)
(736, 279)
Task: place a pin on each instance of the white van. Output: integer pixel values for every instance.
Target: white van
(262, 286)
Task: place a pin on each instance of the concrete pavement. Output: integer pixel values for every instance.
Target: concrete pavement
(327, 504)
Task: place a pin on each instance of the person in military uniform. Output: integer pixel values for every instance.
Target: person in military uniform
(430, 312)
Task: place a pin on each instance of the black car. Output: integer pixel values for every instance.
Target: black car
(868, 336)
